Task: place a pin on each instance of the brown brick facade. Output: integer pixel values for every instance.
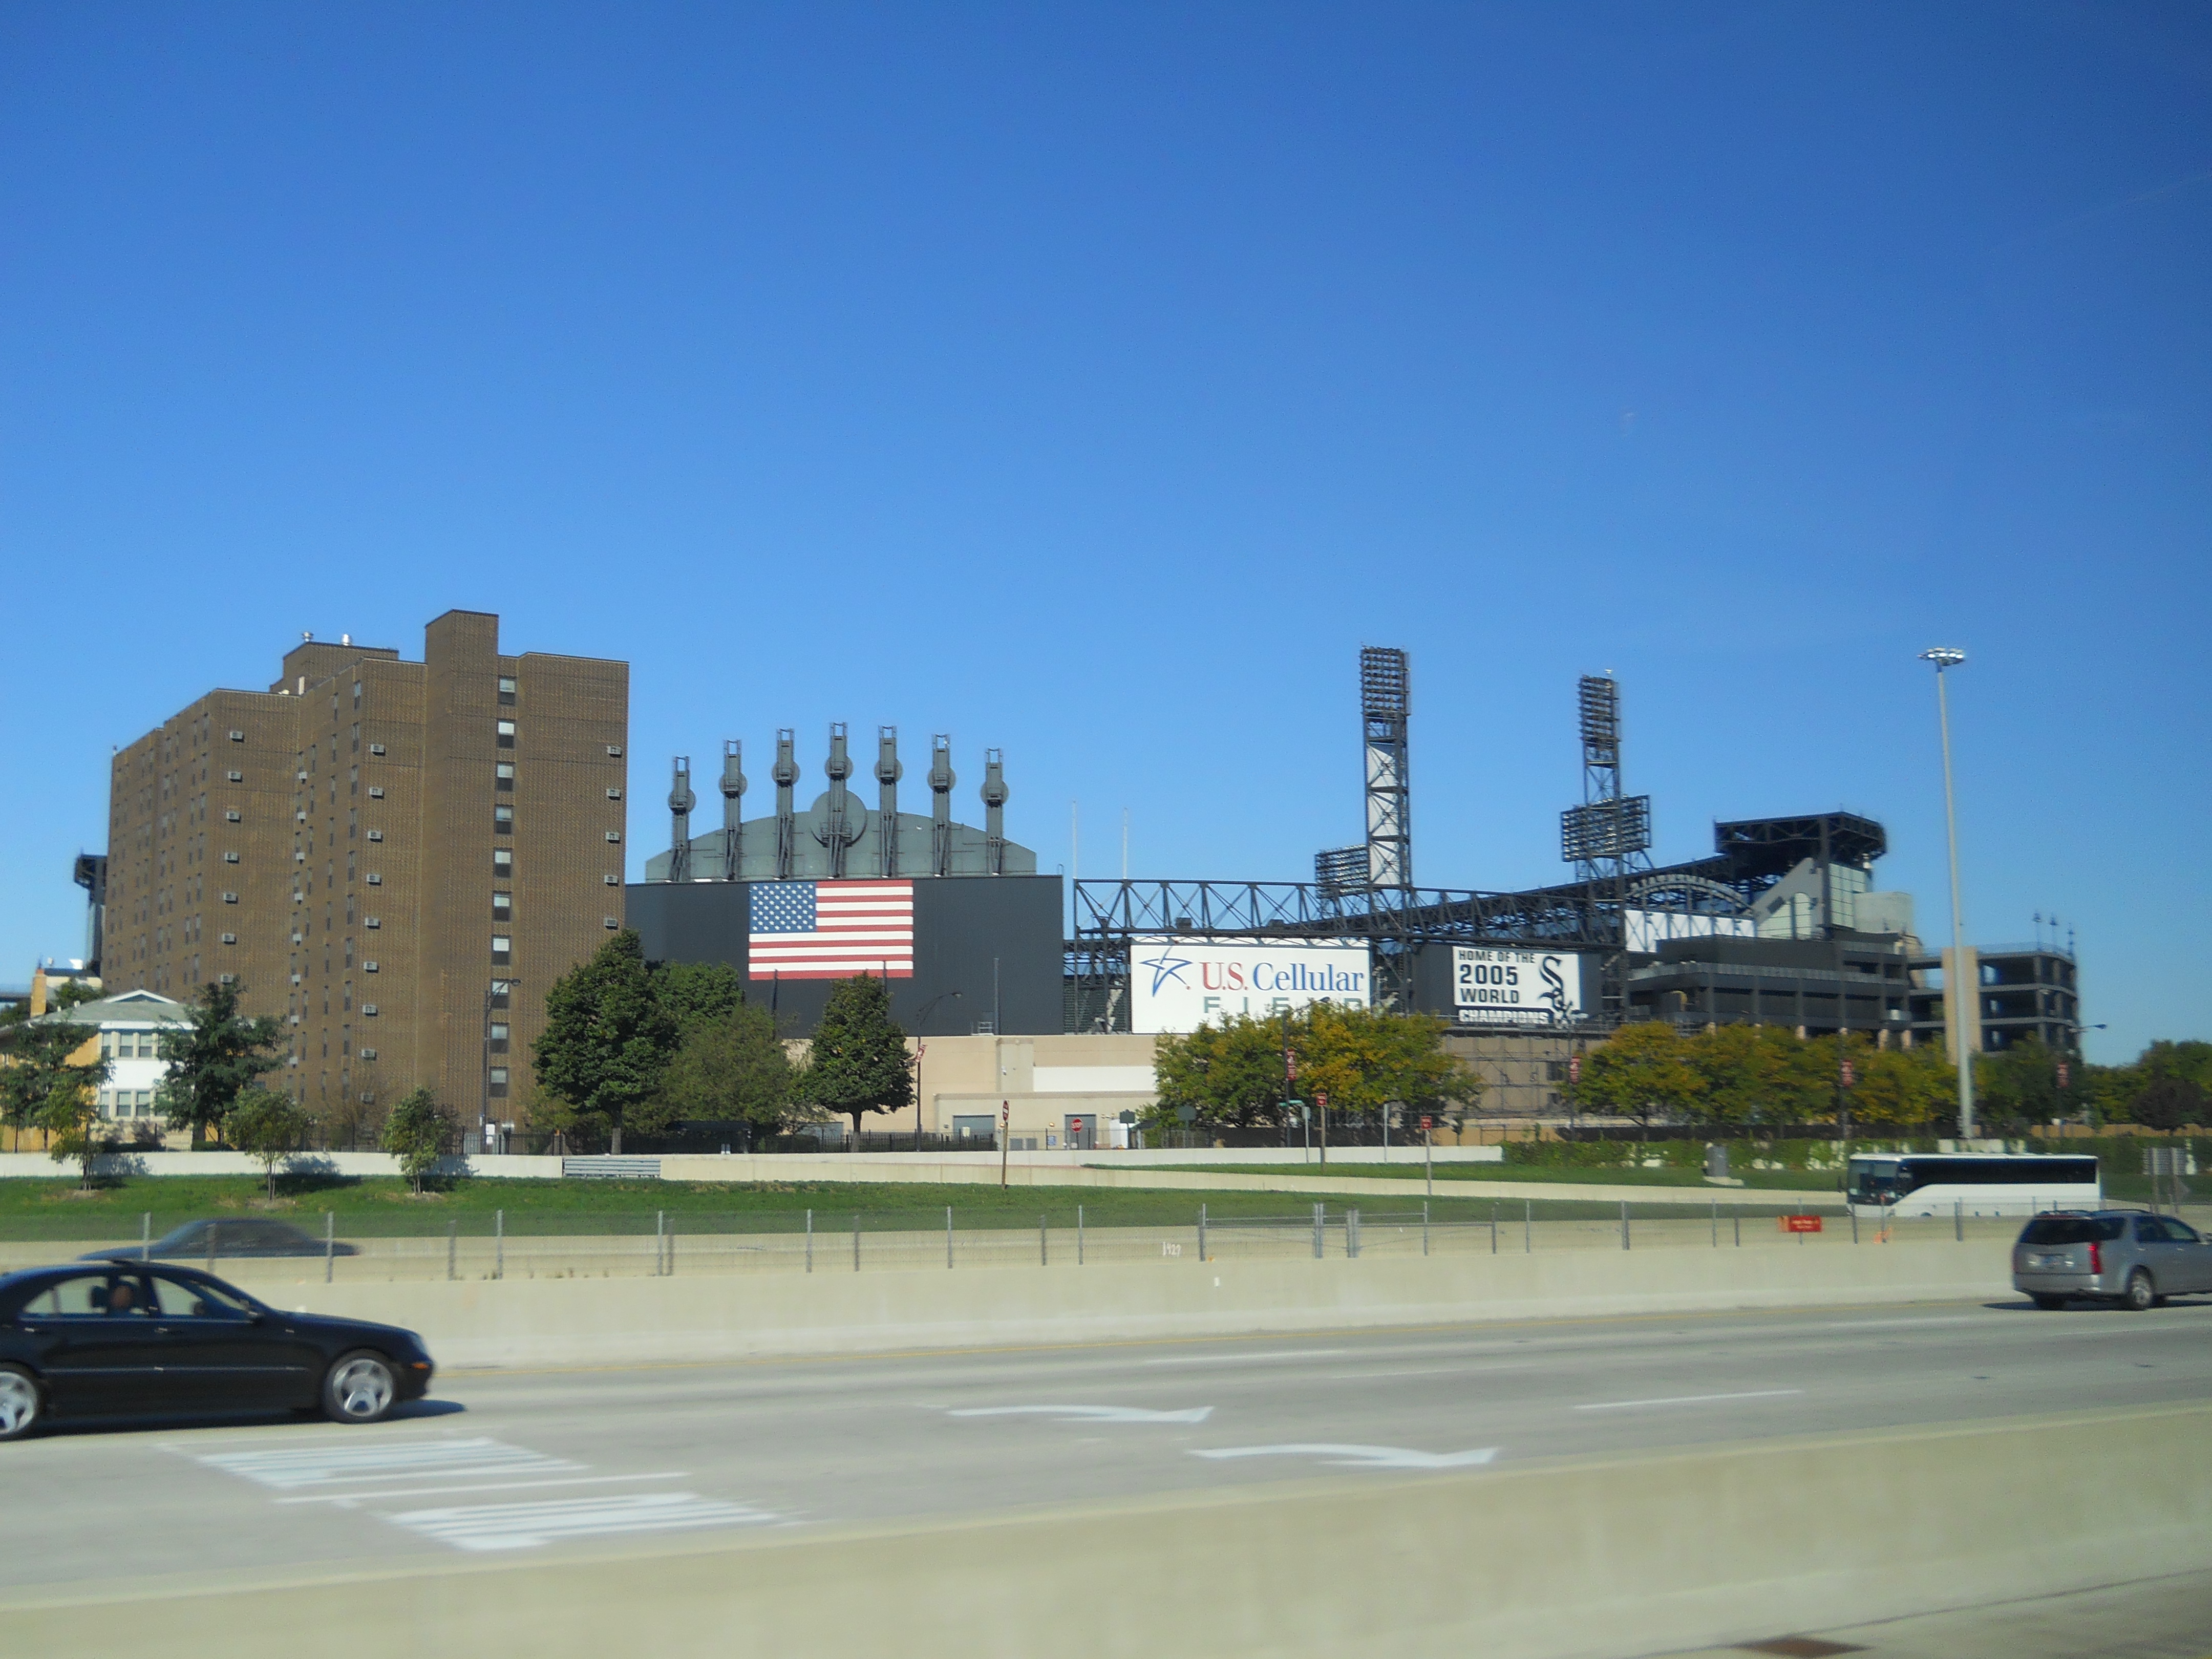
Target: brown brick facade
(360, 880)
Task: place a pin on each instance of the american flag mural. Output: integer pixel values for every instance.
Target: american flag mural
(831, 929)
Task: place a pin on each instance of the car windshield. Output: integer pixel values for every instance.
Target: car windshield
(2072, 1229)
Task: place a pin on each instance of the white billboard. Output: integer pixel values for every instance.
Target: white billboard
(1510, 985)
(1179, 984)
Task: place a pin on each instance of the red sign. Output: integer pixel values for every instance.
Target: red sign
(1574, 1068)
(1798, 1224)
(2064, 1072)
(1850, 1074)
(1428, 1123)
(1290, 1065)
(1321, 1098)
(1075, 1124)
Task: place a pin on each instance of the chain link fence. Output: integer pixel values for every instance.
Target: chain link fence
(344, 1247)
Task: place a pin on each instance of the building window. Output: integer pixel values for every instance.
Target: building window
(499, 1079)
(376, 748)
(235, 777)
(376, 792)
(614, 835)
(503, 819)
(368, 1008)
(502, 861)
(376, 835)
(614, 794)
(356, 694)
(614, 752)
(500, 988)
(506, 731)
(372, 921)
(506, 691)
(368, 967)
(610, 923)
(233, 817)
(230, 898)
(502, 905)
(375, 880)
(357, 737)
(368, 1054)
(498, 1037)
(611, 880)
(230, 939)
(238, 737)
(230, 857)
(502, 948)
(503, 775)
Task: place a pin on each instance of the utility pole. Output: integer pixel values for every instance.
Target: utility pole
(1955, 993)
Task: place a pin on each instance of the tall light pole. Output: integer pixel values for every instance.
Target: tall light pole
(1944, 656)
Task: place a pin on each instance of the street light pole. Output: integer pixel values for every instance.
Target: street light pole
(1945, 657)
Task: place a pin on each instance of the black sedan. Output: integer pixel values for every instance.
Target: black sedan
(202, 1241)
(128, 1339)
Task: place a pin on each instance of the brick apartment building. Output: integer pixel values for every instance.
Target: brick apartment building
(396, 858)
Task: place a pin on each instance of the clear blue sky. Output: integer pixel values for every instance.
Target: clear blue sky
(1091, 382)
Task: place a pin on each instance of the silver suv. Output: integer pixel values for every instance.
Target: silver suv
(2127, 1256)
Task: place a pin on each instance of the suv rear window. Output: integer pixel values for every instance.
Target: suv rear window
(2073, 1230)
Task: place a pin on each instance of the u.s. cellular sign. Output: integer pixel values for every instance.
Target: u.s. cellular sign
(1179, 984)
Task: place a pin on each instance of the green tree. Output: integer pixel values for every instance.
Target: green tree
(1368, 1058)
(213, 1058)
(694, 992)
(1643, 1072)
(607, 1041)
(420, 1131)
(860, 1061)
(1751, 1074)
(2019, 1085)
(71, 1110)
(732, 1068)
(1902, 1089)
(35, 1060)
(266, 1125)
(1232, 1075)
(2168, 1103)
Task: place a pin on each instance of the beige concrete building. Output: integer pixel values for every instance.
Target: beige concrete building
(396, 858)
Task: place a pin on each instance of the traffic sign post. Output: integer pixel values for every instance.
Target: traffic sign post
(1005, 1117)
(1320, 1105)
(1428, 1171)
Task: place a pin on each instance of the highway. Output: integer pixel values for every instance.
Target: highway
(519, 1464)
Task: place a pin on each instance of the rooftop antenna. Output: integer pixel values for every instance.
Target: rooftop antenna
(940, 804)
(887, 773)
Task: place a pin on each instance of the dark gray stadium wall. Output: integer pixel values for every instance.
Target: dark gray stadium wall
(961, 924)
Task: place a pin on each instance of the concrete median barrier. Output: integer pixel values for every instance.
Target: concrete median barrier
(557, 1322)
(1598, 1559)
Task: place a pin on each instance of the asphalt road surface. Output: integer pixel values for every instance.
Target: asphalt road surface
(525, 1462)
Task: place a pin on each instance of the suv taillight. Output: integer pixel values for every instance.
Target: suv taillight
(2096, 1258)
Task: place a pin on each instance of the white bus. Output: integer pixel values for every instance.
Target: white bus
(1973, 1183)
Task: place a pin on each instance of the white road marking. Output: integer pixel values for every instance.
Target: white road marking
(1089, 1413)
(1689, 1399)
(1250, 1358)
(1370, 1457)
(292, 1467)
(347, 1499)
(527, 1526)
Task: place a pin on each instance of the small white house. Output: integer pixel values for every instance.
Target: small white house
(127, 1028)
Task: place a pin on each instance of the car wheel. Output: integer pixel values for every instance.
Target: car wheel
(2141, 1294)
(21, 1404)
(360, 1388)
(2048, 1302)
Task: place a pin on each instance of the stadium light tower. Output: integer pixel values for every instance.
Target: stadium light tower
(1946, 656)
